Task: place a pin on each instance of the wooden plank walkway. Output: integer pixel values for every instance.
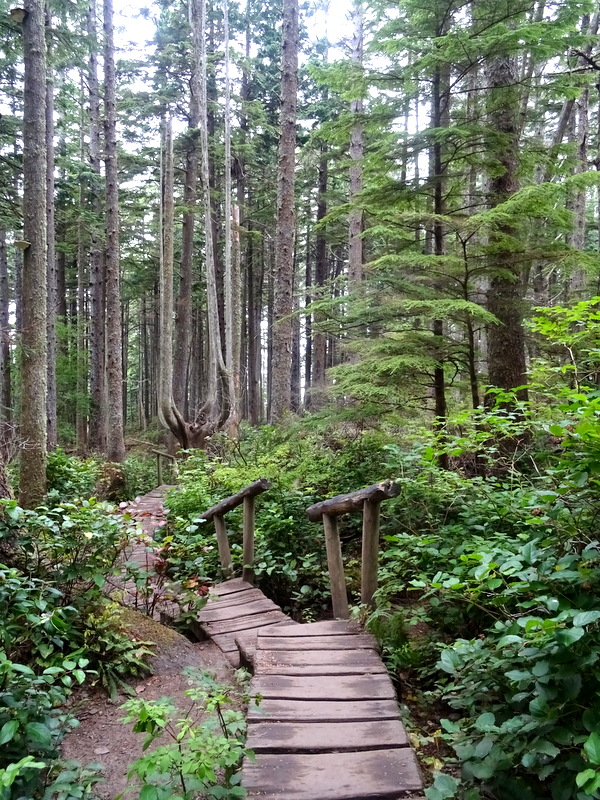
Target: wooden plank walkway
(328, 725)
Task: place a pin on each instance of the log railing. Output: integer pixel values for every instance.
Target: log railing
(246, 496)
(368, 500)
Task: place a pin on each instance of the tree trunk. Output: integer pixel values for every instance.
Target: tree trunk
(232, 263)
(213, 407)
(507, 367)
(32, 479)
(51, 424)
(98, 426)
(285, 228)
(355, 217)
(114, 343)
(5, 357)
(183, 309)
(319, 337)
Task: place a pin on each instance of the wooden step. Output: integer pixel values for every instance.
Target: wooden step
(315, 737)
(386, 774)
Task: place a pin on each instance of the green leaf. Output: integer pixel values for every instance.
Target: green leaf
(585, 776)
(8, 731)
(485, 721)
(39, 733)
(568, 636)
(591, 748)
(586, 617)
(148, 793)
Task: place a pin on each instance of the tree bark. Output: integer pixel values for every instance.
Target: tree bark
(507, 368)
(32, 480)
(114, 342)
(285, 228)
(98, 424)
(5, 357)
(183, 308)
(355, 217)
(51, 424)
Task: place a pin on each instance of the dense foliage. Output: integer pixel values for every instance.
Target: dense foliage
(56, 631)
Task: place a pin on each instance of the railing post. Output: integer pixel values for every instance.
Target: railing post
(159, 470)
(337, 580)
(370, 551)
(248, 540)
(223, 544)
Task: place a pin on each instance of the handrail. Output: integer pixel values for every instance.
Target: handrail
(246, 496)
(369, 500)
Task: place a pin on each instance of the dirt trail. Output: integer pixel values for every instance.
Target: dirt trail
(101, 736)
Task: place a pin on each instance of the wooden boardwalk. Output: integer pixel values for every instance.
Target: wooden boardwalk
(328, 725)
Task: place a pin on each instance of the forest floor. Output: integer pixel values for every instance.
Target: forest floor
(102, 737)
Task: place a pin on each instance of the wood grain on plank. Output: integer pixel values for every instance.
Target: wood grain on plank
(314, 737)
(344, 659)
(235, 599)
(244, 623)
(360, 641)
(372, 775)
(323, 710)
(217, 612)
(349, 687)
(228, 587)
(325, 628)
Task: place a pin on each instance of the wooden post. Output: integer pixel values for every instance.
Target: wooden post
(335, 564)
(248, 540)
(370, 551)
(159, 470)
(223, 544)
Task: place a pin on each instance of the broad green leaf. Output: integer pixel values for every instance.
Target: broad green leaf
(39, 733)
(8, 731)
(592, 748)
(586, 617)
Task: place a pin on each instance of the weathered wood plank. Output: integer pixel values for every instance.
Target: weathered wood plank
(235, 599)
(340, 659)
(376, 774)
(244, 623)
(261, 485)
(233, 585)
(226, 641)
(325, 628)
(342, 503)
(315, 737)
(218, 612)
(363, 641)
(357, 687)
(322, 710)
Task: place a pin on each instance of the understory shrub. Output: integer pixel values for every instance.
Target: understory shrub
(56, 631)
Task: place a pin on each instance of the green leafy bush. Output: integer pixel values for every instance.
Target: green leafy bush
(70, 478)
(204, 747)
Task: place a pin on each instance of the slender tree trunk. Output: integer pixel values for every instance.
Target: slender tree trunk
(51, 429)
(32, 480)
(98, 423)
(319, 337)
(284, 234)
(441, 119)
(114, 343)
(232, 262)
(355, 217)
(5, 357)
